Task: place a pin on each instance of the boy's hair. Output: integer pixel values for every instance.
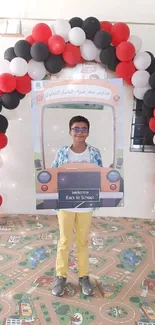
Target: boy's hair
(78, 119)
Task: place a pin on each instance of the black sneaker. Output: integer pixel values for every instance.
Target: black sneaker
(58, 286)
(86, 286)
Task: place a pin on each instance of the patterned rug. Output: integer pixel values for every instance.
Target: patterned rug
(122, 269)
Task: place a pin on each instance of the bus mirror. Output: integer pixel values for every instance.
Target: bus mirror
(119, 163)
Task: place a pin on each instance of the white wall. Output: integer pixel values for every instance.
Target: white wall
(124, 10)
(17, 173)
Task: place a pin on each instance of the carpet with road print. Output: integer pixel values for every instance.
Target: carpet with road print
(122, 269)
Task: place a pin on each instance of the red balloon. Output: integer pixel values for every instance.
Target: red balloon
(82, 60)
(125, 70)
(1, 200)
(120, 33)
(129, 82)
(152, 124)
(106, 25)
(41, 33)
(7, 82)
(72, 54)
(56, 44)
(23, 84)
(115, 41)
(3, 140)
(125, 51)
(30, 39)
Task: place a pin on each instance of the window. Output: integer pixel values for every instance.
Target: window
(141, 139)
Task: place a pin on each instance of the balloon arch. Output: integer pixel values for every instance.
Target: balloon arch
(66, 43)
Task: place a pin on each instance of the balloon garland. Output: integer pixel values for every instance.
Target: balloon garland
(50, 49)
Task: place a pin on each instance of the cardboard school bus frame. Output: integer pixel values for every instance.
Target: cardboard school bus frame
(110, 189)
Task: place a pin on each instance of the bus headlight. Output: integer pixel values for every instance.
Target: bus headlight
(113, 176)
(44, 177)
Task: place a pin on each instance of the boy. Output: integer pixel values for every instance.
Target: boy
(80, 219)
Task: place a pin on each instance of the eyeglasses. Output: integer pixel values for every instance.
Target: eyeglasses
(77, 130)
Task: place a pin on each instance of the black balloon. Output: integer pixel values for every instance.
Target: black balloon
(21, 96)
(10, 100)
(76, 22)
(151, 68)
(39, 52)
(149, 98)
(112, 65)
(152, 80)
(102, 39)
(9, 54)
(22, 49)
(151, 55)
(107, 54)
(0, 106)
(54, 63)
(147, 111)
(108, 57)
(91, 26)
(3, 124)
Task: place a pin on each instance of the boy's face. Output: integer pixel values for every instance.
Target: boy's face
(79, 132)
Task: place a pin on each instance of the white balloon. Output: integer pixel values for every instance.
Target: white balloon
(18, 67)
(154, 139)
(136, 41)
(140, 92)
(77, 36)
(1, 161)
(62, 28)
(97, 57)
(140, 78)
(36, 70)
(4, 66)
(142, 60)
(88, 50)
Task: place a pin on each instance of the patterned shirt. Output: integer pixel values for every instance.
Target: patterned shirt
(62, 156)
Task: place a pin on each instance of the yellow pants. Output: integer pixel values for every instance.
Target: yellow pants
(67, 222)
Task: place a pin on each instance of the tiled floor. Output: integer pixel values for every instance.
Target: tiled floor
(122, 268)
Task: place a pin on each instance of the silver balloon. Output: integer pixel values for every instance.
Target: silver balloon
(142, 60)
(136, 41)
(77, 36)
(61, 27)
(97, 57)
(36, 70)
(18, 67)
(140, 79)
(88, 50)
(140, 92)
